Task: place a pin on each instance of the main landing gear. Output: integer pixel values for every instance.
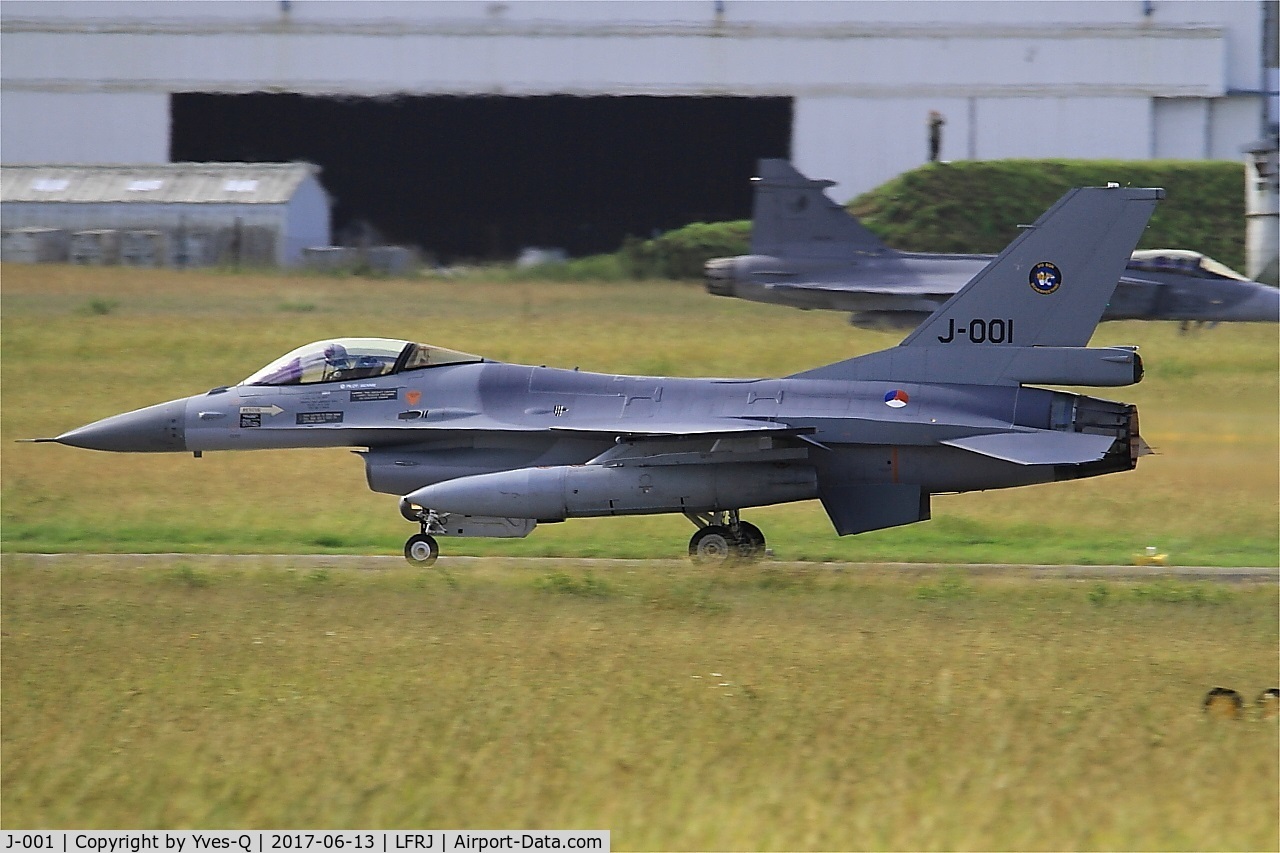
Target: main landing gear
(722, 537)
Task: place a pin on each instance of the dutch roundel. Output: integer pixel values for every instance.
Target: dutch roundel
(896, 398)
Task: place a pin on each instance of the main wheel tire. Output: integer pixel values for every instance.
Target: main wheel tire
(713, 544)
(750, 541)
(421, 550)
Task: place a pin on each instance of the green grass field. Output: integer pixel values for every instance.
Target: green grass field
(79, 344)
(764, 707)
(753, 708)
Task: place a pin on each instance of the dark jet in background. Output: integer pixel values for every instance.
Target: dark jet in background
(475, 447)
(809, 252)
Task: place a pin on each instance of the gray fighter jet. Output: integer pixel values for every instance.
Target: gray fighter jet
(475, 447)
(809, 252)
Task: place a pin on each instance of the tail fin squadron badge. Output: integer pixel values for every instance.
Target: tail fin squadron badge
(1045, 278)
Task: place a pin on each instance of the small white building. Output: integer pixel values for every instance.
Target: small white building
(175, 214)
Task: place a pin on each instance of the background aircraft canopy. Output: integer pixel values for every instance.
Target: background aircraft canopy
(344, 359)
(1184, 261)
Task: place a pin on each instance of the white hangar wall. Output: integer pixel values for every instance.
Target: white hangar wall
(83, 127)
(89, 82)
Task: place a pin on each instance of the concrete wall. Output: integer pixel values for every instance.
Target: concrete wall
(88, 82)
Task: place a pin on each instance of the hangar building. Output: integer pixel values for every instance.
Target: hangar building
(176, 214)
(473, 128)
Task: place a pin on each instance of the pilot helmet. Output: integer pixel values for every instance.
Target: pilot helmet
(335, 354)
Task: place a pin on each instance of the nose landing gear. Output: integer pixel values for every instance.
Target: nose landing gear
(421, 549)
(722, 537)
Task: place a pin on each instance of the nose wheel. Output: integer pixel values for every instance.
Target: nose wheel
(724, 538)
(421, 550)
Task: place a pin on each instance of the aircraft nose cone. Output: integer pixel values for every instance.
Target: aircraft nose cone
(718, 276)
(155, 429)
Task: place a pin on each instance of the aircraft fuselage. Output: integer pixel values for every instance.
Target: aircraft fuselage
(456, 421)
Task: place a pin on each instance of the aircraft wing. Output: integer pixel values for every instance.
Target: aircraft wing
(913, 288)
(648, 451)
(444, 422)
(703, 432)
(1130, 278)
(707, 427)
(1038, 447)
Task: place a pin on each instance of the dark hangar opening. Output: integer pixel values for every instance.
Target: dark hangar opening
(484, 176)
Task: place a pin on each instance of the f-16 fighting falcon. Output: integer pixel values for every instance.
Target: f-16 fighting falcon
(476, 447)
(809, 252)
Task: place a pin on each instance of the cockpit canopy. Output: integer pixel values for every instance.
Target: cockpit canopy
(345, 359)
(1182, 261)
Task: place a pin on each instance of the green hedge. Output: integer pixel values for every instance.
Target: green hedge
(682, 252)
(968, 206)
(973, 206)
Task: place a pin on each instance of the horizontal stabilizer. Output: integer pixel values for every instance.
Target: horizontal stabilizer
(1041, 447)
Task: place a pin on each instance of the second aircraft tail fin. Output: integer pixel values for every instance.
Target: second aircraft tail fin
(792, 217)
(1029, 314)
(1050, 286)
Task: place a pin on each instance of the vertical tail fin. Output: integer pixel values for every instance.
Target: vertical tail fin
(793, 217)
(1050, 286)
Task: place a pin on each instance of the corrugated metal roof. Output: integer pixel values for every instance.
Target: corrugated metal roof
(190, 183)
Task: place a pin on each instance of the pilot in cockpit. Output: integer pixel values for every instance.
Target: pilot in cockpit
(336, 360)
(340, 364)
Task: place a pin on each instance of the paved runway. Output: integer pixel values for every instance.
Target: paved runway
(1232, 574)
